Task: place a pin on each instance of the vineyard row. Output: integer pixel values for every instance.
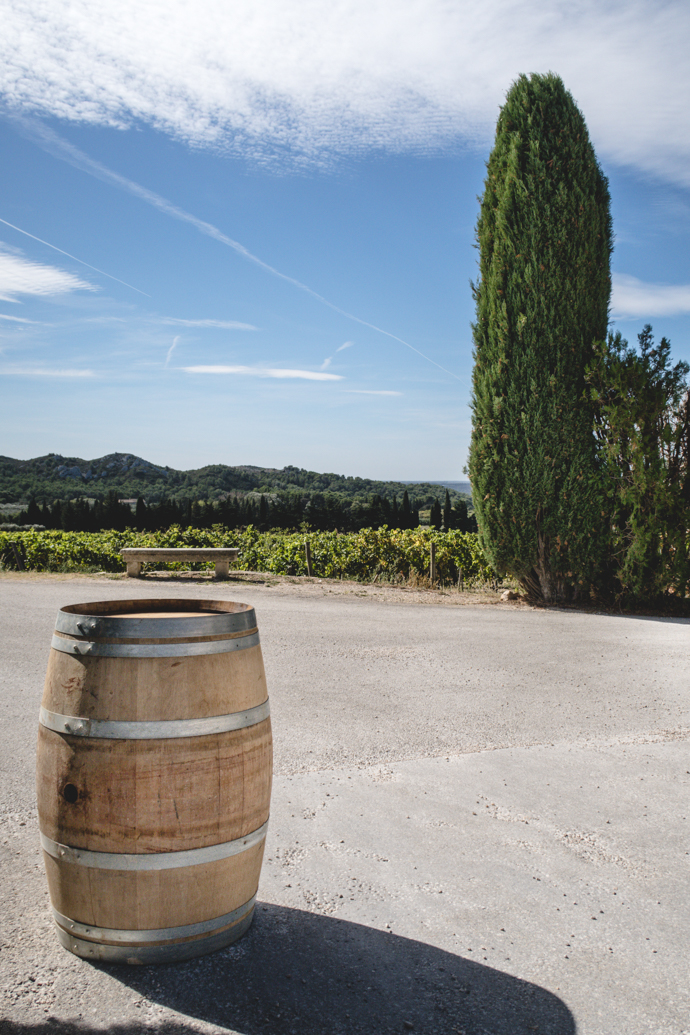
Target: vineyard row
(384, 553)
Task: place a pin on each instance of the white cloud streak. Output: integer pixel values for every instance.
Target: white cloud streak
(633, 298)
(227, 325)
(55, 145)
(20, 277)
(16, 319)
(329, 359)
(305, 375)
(172, 349)
(45, 372)
(69, 256)
(277, 81)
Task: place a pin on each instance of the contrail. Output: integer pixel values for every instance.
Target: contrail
(59, 148)
(55, 248)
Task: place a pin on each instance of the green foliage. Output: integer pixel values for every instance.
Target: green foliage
(643, 426)
(447, 512)
(288, 492)
(460, 519)
(319, 511)
(544, 236)
(385, 553)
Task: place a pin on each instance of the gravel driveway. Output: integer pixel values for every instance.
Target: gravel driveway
(480, 825)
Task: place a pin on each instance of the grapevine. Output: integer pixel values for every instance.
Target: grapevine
(386, 554)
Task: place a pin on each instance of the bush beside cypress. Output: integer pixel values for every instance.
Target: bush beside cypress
(545, 240)
(642, 410)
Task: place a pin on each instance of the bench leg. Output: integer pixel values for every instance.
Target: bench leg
(133, 569)
(222, 568)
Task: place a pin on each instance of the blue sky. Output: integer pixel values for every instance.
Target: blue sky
(269, 217)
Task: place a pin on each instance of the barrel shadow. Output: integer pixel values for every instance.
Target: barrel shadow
(302, 973)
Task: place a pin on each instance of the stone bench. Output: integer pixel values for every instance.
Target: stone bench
(220, 555)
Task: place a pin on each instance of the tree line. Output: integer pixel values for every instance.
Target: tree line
(320, 512)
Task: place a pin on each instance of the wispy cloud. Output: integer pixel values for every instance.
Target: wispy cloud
(633, 298)
(369, 391)
(329, 359)
(227, 325)
(305, 375)
(20, 277)
(172, 349)
(45, 372)
(69, 256)
(60, 148)
(16, 319)
(273, 80)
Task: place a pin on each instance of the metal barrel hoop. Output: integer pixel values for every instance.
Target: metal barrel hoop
(94, 649)
(142, 954)
(162, 934)
(152, 860)
(160, 729)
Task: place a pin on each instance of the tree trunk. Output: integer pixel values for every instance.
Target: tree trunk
(542, 586)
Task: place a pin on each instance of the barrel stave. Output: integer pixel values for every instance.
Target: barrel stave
(153, 795)
(148, 689)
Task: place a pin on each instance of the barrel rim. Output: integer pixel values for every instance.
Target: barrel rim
(109, 619)
(105, 607)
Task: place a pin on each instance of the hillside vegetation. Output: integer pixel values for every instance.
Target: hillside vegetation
(55, 477)
(124, 491)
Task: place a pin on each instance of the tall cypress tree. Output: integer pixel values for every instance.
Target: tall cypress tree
(545, 240)
(447, 512)
(406, 511)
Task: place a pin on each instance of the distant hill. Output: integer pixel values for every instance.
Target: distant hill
(463, 488)
(53, 477)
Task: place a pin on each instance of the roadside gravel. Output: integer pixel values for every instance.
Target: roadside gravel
(479, 823)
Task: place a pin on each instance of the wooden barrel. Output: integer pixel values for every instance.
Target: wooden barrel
(154, 777)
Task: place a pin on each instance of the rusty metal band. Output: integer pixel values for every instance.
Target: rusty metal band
(161, 934)
(92, 649)
(161, 729)
(166, 627)
(174, 952)
(152, 860)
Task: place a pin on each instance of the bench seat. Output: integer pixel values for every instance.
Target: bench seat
(221, 556)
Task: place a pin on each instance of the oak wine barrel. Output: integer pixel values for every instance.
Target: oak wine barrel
(153, 777)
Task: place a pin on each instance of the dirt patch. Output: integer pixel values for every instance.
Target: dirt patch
(289, 585)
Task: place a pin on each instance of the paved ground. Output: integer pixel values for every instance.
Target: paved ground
(479, 827)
